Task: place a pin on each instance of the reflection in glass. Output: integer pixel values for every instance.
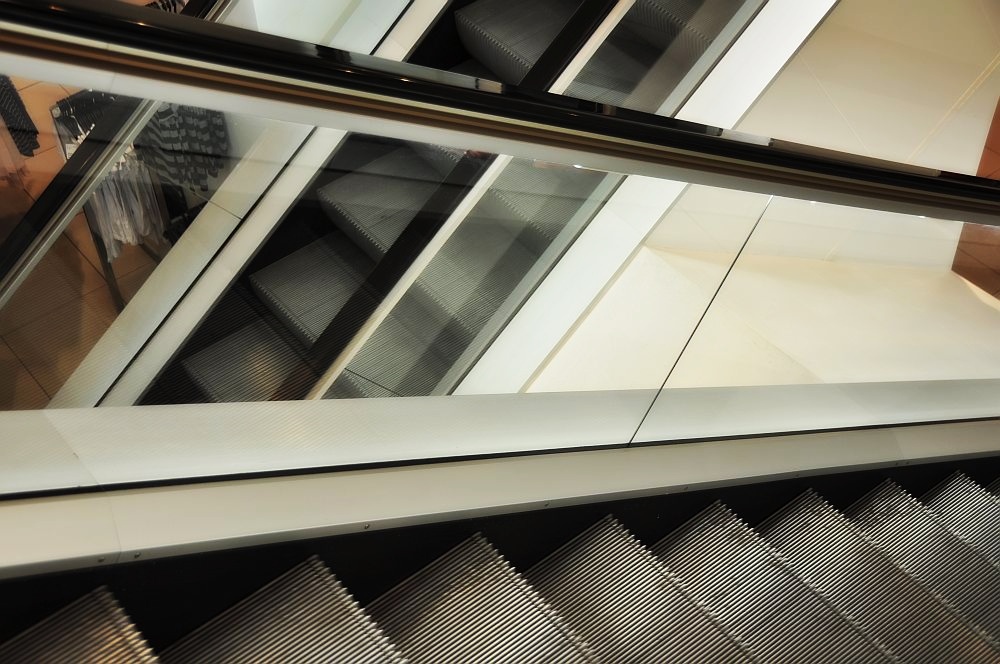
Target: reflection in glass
(914, 83)
(832, 294)
(179, 160)
(657, 44)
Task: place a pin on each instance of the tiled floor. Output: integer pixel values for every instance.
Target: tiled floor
(64, 306)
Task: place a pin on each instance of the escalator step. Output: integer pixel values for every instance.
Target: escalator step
(509, 36)
(826, 549)
(746, 585)
(475, 271)
(540, 199)
(376, 203)
(471, 605)
(919, 543)
(615, 70)
(994, 487)
(663, 22)
(349, 385)
(307, 288)
(222, 372)
(442, 158)
(397, 360)
(615, 594)
(970, 511)
(305, 615)
(94, 628)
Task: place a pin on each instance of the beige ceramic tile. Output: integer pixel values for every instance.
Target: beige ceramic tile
(14, 202)
(18, 388)
(101, 303)
(133, 281)
(40, 170)
(39, 99)
(22, 83)
(79, 234)
(44, 290)
(130, 259)
(74, 266)
(52, 346)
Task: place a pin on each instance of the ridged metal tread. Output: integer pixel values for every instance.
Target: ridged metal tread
(220, 373)
(918, 542)
(470, 605)
(374, 204)
(746, 585)
(508, 36)
(93, 628)
(615, 594)
(305, 615)
(969, 511)
(893, 608)
(994, 487)
(308, 287)
(398, 361)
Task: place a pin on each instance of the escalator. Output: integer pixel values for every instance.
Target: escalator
(887, 578)
(296, 308)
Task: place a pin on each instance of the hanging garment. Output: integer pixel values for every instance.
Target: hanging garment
(185, 145)
(127, 206)
(15, 116)
(174, 6)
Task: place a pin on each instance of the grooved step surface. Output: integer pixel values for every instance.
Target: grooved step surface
(508, 36)
(374, 204)
(820, 545)
(970, 511)
(307, 288)
(471, 606)
(91, 629)
(223, 374)
(748, 588)
(615, 594)
(924, 547)
(397, 361)
(305, 615)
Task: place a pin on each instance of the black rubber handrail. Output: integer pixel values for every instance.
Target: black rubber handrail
(290, 68)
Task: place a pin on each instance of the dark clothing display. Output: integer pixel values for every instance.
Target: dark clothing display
(174, 6)
(15, 116)
(184, 145)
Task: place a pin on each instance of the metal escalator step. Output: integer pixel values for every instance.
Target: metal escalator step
(397, 360)
(470, 605)
(349, 385)
(442, 158)
(827, 550)
(508, 36)
(969, 511)
(94, 628)
(994, 487)
(307, 288)
(540, 199)
(305, 615)
(476, 269)
(746, 585)
(663, 22)
(223, 373)
(918, 542)
(375, 204)
(618, 597)
(615, 70)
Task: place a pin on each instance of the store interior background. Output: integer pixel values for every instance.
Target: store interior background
(922, 90)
